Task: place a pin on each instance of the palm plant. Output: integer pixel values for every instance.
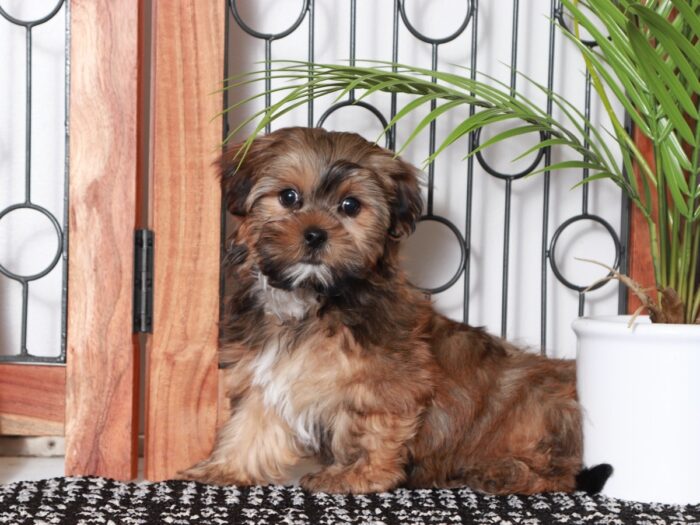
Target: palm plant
(647, 59)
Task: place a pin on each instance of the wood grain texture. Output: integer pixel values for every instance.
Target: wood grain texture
(102, 364)
(182, 376)
(32, 400)
(641, 267)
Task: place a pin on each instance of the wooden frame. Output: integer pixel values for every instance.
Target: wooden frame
(102, 355)
(641, 266)
(32, 400)
(182, 378)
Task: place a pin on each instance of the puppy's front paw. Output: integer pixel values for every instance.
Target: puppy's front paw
(325, 481)
(213, 474)
(344, 481)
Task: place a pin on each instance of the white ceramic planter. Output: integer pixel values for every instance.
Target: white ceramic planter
(640, 392)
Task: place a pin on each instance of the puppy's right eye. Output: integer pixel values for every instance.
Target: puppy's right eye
(290, 198)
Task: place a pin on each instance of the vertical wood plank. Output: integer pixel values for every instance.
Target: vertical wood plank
(641, 267)
(188, 47)
(32, 400)
(102, 363)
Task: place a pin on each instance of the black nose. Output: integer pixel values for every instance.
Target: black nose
(315, 237)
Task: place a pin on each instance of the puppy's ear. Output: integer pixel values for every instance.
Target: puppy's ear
(407, 200)
(239, 170)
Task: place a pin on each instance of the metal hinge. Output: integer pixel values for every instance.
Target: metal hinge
(143, 281)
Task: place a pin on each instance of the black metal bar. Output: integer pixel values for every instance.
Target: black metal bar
(431, 137)
(268, 80)
(506, 255)
(27, 177)
(64, 290)
(622, 297)
(27, 359)
(353, 42)
(506, 222)
(394, 59)
(545, 189)
(470, 170)
(25, 306)
(514, 47)
(28, 122)
(311, 57)
(586, 141)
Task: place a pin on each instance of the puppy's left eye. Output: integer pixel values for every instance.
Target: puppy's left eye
(350, 206)
(290, 198)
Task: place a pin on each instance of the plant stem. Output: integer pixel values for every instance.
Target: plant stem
(662, 219)
(691, 311)
(692, 234)
(674, 263)
(683, 262)
(655, 255)
(696, 307)
(689, 257)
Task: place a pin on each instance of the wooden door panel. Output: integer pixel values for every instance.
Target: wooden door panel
(182, 376)
(102, 357)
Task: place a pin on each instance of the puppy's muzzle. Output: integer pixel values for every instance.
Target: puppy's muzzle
(315, 237)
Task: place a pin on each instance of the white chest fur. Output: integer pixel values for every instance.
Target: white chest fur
(283, 304)
(277, 377)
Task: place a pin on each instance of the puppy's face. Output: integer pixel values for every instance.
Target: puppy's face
(319, 207)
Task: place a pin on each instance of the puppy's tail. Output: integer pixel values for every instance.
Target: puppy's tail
(592, 480)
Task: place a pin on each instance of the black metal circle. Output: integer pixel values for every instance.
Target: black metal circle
(555, 239)
(233, 5)
(512, 176)
(30, 23)
(353, 103)
(462, 253)
(430, 40)
(59, 250)
(560, 18)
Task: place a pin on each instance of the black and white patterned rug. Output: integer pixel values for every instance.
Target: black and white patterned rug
(103, 501)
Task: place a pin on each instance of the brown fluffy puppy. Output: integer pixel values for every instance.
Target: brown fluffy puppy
(331, 354)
